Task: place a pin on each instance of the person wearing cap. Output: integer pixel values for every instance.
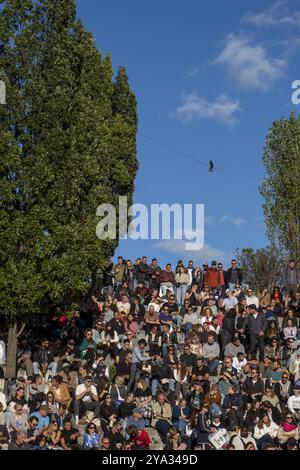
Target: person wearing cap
(293, 402)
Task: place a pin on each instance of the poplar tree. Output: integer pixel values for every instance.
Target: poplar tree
(67, 145)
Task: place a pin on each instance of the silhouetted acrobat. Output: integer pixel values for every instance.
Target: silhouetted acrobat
(210, 166)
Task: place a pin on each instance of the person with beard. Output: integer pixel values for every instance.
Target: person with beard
(154, 340)
(154, 273)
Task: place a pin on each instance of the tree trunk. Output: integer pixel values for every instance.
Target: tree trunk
(11, 360)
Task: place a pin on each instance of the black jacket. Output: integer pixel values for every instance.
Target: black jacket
(228, 275)
(43, 355)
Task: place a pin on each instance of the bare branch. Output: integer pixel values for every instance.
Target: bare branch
(21, 330)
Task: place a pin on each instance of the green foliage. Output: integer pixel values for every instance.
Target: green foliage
(262, 269)
(281, 188)
(67, 145)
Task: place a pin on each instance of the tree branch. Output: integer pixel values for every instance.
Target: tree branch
(21, 330)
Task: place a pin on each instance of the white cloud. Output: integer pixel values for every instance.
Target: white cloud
(206, 254)
(278, 14)
(249, 65)
(195, 107)
(237, 222)
(193, 72)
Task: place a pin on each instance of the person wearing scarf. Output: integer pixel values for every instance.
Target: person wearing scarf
(288, 429)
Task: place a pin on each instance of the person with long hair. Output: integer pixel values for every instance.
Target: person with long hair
(51, 404)
(265, 431)
(151, 318)
(181, 380)
(253, 415)
(54, 435)
(91, 437)
(131, 324)
(288, 429)
(109, 339)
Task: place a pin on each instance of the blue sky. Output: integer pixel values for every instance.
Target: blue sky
(210, 78)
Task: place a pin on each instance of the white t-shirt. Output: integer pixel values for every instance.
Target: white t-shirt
(80, 389)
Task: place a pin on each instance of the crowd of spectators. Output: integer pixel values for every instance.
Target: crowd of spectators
(190, 358)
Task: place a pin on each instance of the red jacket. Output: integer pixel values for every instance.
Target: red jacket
(167, 276)
(212, 277)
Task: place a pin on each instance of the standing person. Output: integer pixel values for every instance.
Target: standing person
(129, 275)
(233, 275)
(222, 279)
(255, 326)
(143, 272)
(291, 277)
(154, 273)
(191, 272)
(182, 280)
(212, 277)
(119, 272)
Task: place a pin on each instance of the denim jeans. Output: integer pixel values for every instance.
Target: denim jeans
(180, 294)
(36, 368)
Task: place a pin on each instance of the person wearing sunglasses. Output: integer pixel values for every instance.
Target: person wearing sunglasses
(91, 437)
(86, 398)
(288, 429)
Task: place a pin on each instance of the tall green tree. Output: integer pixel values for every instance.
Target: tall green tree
(262, 269)
(280, 188)
(67, 145)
